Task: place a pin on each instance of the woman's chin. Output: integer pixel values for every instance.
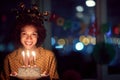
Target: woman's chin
(28, 48)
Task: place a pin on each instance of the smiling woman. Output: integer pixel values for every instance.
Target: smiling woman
(30, 34)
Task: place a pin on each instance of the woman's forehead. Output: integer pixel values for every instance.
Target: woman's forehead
(29, 27)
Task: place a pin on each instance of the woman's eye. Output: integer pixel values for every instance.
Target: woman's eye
(34, 34)
(23, 33)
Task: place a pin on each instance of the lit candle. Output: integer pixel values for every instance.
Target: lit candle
(23, 55)
(28, 55)
(34, 56)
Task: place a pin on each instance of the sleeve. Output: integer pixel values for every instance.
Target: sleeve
(6, 69)
(53, 68)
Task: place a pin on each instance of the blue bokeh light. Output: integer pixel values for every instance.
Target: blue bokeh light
(79, 46)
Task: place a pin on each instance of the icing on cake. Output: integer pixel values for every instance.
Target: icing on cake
(28, 72)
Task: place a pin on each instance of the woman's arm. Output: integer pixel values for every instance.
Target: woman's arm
(53, 68)
(6, 69)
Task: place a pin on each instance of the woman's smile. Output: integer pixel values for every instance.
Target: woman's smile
(29, 37)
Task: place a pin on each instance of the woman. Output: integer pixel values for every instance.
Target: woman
(30, 34)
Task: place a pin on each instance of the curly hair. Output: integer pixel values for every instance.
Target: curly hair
(30, 16)
(28, 20)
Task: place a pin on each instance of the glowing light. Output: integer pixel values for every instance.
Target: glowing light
(79, 46)
(93, 41)
(53, 41)
(59, 46)
(81, 38)
(112, 40)
(86, 41)
(79, 9)
(90, 3)
(108, 33)
(61, 42)
(116, 30)
(34, 56)
(23, 55)
(89, 36)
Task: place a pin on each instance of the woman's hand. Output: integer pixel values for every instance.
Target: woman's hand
(13, 74)
(44, 74)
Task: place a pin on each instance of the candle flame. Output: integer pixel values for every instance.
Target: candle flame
(33, 53)
(28, 53)
(23, 53)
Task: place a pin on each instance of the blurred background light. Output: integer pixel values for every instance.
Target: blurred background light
(81, 38)
(93, 41)
(89, 49)
(90, 3)
(61, 41)
(53, 41)
(86, 41)
(79, 8)
(79, 15)
(59, 46)
(79, 46)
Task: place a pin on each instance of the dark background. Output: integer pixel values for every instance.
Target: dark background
(65, 8)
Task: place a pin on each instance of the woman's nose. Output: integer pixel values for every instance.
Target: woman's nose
(29, 37)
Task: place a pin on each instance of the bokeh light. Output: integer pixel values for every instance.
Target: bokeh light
(81, 38)
(86, 41)
(93, 40)
(79, 8)
(53, 41)
(79, 46)
(89, 49)
(61, 41)
(90, 3)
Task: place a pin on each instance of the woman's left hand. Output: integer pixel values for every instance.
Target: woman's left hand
(44, 74)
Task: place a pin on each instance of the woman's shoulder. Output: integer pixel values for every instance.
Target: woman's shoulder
(13, 53)
(46, 51)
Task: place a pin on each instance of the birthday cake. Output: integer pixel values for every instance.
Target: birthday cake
(28, 72)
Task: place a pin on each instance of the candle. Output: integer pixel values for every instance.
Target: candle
(28, 55)
(34, 56)
(23, 55)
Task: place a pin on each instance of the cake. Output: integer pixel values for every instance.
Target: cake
(28, 72)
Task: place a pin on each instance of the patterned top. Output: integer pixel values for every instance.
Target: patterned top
(45, 60)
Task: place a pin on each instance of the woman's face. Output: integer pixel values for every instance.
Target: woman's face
(29, 37)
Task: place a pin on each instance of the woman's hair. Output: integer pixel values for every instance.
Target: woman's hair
(29, 17)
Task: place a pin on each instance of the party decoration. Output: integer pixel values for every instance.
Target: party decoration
(22, 12)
